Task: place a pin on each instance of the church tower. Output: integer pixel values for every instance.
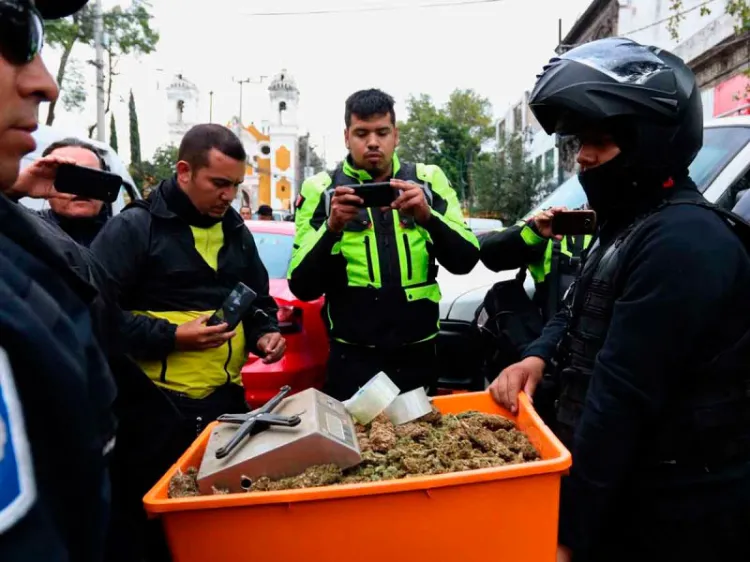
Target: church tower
(283, 131)
(182, 108)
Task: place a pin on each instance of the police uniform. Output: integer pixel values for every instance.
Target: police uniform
(379, 276)
(553, 264)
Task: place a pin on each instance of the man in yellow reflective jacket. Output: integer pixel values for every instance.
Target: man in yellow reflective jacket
(377, 267)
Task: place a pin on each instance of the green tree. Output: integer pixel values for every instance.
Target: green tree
(113, 133)
(148, 174)
(314, 161)
(128, 31)
(418, 136)
(451, 136)
(135, 135)
(506, 184)
(738, 9)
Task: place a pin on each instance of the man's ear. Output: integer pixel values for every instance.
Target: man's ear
(346, 138)
(184, 173)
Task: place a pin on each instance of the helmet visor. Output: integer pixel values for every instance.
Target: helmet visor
(621, 59)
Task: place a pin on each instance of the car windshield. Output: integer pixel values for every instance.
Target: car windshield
(275, 252)
(720, 145)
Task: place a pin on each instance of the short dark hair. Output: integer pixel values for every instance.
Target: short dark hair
(199, 140)
(265, 211)
(366, 103)
(77, 143)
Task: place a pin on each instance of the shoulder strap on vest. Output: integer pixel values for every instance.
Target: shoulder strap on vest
(739, 226)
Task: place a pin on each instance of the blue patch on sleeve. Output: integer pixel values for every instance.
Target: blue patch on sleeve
(17, 487)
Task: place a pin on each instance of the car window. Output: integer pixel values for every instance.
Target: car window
(720, 145)
(275, 252)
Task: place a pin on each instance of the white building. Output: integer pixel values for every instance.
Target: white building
(539, 146)
(272, 149)
(182, 108)
(705, 41)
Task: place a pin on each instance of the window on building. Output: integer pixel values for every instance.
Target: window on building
(517, 118)
(549, 163)
(538, 164)
(501, 133)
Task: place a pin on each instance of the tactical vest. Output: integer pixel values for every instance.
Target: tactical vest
(391, 274)
(565, 262)
(710, 411)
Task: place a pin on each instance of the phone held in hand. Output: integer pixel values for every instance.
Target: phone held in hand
(574, 222)
(379, 194)
(236, 305)
(87, 182)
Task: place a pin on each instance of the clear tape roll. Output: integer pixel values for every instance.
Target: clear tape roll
(409, 406)
(372, 399)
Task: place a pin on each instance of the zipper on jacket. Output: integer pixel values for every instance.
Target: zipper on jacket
(229, 358)
(163, 374)
(370, 268)
(407, 251)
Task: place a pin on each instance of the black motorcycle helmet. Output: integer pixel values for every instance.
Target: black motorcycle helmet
(646, 97)
(55, 9)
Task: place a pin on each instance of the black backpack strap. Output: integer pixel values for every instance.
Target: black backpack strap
(553, 281)
(738, 225)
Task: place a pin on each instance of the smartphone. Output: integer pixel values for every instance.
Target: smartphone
(234, 308)
(88, 182)
(379, 194)
(574, 222)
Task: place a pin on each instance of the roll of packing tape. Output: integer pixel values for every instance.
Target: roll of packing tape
(372, 399)
(409, 406)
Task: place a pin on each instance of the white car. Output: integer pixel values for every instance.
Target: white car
(45, 136)
(721, 171)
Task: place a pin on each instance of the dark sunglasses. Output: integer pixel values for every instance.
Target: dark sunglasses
(21, 31)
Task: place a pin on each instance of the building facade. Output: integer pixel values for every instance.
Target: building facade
(708, 41)
(270, 177)
(183, 100)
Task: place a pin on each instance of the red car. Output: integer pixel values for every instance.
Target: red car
(303, 366)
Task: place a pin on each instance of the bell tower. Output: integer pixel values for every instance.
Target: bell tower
(284, 133)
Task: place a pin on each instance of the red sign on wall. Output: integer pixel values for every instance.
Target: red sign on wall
(732, 94)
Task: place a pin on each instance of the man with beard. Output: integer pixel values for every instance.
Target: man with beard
(377, 267)
(652, 354)
(175, 258)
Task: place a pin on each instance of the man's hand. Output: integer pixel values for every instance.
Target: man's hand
(38, 179)
(196, 336)
(564, 554)
(524, 375)
(543, 222)
(412, 201)
(273, 345)
(343, 208)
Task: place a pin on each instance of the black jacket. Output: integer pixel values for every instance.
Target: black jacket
(379, 275)
(685, 297)
(81, 230)
(149, 250)
(65, 391)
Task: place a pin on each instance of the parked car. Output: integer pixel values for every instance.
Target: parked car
(304, 364)
(45, 136)
(721, 171)
(478, 225)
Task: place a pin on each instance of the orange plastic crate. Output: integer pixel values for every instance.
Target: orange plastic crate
(508, 513)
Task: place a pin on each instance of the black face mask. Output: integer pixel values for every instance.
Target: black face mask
(615, 191)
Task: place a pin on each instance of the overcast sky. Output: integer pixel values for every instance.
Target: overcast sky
(493, 46)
